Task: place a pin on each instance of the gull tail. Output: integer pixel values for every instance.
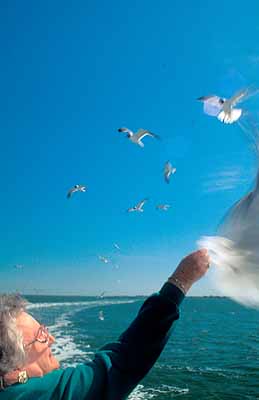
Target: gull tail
(230, 117)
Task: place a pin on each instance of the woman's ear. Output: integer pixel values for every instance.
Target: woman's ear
(22, 375)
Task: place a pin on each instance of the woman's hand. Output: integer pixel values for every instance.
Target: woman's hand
(190, 270)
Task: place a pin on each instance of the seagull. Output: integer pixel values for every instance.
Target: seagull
(139, 206)
(116, 246)
(76, 188)
(18, 266)
(103, 259)
(223, 108)
(138, 136)
(101, 296)
(163, 207)
(101, 316)
(168, 171)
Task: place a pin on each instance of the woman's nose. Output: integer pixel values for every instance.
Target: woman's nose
(51, 339)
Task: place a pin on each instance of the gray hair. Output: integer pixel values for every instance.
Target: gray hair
(12, 355)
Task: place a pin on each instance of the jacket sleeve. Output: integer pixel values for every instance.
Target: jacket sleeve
(129, 359)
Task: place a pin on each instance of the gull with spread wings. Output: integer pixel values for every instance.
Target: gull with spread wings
(163, 207)
(224, 109)
(168, 171)
(138, 136)
(138, 207)
(116, 246)
(105, 260)
(76, 188)
(100, 315)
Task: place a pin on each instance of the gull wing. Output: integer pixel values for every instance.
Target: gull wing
(70, 192)
(212, 104)
(141, 203)
(207, 98)
(125, 130)
(168, 167)
(211, 99)
(167, 171)
(239, 96)
(167, 176)
(143, 132)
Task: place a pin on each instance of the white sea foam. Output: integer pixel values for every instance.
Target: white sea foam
(65, 349)
(68, 353)
(143, 393)
(86, 304)
(139, 393)
(197, 370)
(31, 306)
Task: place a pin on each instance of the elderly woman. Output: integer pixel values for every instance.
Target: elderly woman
(28, 370)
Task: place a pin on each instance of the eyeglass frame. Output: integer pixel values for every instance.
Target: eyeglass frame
(42, 329)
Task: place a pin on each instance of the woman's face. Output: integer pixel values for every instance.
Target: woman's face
(39, 355)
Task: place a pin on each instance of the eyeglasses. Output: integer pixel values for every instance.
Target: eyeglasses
(42, 336)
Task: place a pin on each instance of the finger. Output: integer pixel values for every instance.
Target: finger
(203, 252)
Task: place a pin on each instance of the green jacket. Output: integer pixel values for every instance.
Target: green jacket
(117, 367)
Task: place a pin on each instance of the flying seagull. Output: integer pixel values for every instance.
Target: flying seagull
(168, 171)
(163, 207)
(18, 266)
(101, 316)
(103, 259)
(138, 136)
(76, 188)
(116, 246)
(139, 206)
(223, 108)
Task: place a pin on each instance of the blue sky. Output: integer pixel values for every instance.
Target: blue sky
(72, 73)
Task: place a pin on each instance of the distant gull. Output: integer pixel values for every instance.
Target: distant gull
(223, 108)
(116, 246)
(168, 171)
(101, 316)
(101, 296)
(103, 259)
(163, 207)
(18, 266)
(139, 206)
(76, 188)
(138, 136)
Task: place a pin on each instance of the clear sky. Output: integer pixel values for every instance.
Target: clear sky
(72, 73)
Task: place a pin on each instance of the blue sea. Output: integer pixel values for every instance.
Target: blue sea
(213, 352)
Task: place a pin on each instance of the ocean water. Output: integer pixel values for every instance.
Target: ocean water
(213, 352)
